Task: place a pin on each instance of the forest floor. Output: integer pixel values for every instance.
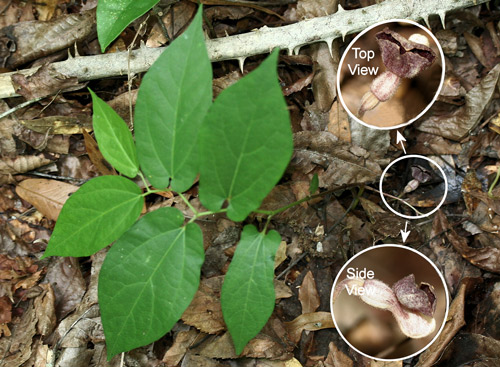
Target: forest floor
(49, 309)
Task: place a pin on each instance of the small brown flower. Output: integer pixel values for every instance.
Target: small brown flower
(402, 58)
(412, 307)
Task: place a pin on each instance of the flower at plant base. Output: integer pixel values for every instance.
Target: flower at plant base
(403, 58)
(412, 306)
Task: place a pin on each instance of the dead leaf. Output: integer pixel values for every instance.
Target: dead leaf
(308, 294)
(45, 82)
(47, 9)
(375, 363)
(454, 323)
(205, 312)
(47, 196)
(338, 163)
(308, 321)
(453, 266)
(45, 310)
(280, 254)
(338, 122)
(95, 155)
(488, 314)
(36, 39)
(65, 277)
(475, 45)
(487, 258)
(66, 125)
(16, 349)
(262, 346)
(467, 348)
(183, 340)
(298, 85)
(337, 358)
(282, 290)
(182, 14)
(219, 84)
(461, 121)
(20, 164)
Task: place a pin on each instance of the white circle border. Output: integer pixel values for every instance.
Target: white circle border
(422, 256)
(413, 216)
(441, 54)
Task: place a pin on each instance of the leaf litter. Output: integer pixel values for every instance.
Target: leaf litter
(49, 307)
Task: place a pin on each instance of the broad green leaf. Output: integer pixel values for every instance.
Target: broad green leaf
(148, 279)
(114, 138)
(94, 216)
(173, 99)
(113, 16)
(247, 296)
(245, 143)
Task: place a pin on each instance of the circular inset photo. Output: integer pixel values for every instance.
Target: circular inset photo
(413, 186)
(389, 302)
(390, 74)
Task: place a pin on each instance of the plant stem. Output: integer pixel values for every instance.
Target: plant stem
(398, 199)
(494, 183)
(195, 212)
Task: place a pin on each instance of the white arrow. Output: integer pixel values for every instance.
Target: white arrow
(405, 233)
(400, 139)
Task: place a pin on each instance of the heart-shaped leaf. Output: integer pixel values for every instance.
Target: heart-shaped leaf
(94, 216)
(148, 279)
(113, 16)
(172, 102)
(247, 296)
(245, 142)
(114, 138)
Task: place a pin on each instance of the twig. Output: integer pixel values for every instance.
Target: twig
(19, 106)
(398, 199)
(291, 37)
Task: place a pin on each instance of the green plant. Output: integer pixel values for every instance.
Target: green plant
(239, 145)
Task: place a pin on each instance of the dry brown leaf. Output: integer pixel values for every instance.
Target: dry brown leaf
(66, 125)
(95, 155)
(281, 289)
(453, 266)
(487, 258)
(47, 9)
(340, 163)
(65, 276)
(488, 314)
(262, 346)
(468, 348)
(121, 104)
(461, 121)
(298, 85)
(47, 196)
(308, 321)
(476, 48)
(338, 123)
(183, 340)
(17, 349)
(375, 363)
(308, 294)
(44, 82)
(337, 358)
(454, 323)
(280, 254)
(36, 39)
(45, 310)
(219, 84)
(205, 312)
(21, 164)
(183, 13)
